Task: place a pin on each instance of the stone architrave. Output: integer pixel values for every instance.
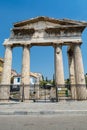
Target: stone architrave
(6, 76)
(79, 73)
(59, 72)
(72, 73)
(25, 79)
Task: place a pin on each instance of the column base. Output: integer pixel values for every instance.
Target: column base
(81, 92)
(26, 101)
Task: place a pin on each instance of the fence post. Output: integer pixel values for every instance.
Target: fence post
(56, 93)
(22, 93)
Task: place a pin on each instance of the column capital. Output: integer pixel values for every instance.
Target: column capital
(57, 45)
(8, 46)
(26, 45)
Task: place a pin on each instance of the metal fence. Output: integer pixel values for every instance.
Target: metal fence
(38, 93)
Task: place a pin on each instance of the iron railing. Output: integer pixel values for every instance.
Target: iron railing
(38, 93)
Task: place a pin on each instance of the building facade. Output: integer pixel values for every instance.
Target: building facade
(35, 78)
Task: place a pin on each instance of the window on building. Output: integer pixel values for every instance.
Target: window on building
(18, 79)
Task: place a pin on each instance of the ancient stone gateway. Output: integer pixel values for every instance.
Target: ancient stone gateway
(44, 31)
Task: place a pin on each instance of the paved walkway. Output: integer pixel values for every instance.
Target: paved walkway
(38, 108)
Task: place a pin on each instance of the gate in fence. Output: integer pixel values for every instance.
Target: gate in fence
(40, 93)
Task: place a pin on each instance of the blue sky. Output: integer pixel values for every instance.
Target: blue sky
(12, 11)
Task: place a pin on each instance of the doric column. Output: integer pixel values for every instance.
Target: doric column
(6, 76)
(79, 73)
(25, 78)
(72, 73)
(59, 73)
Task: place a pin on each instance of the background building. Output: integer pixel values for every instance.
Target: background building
(16, 78)
(35, 78)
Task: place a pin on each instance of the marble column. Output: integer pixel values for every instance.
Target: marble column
(6, 75)
(72, 73)
(79, 73)
(59, 72)
(25, 78)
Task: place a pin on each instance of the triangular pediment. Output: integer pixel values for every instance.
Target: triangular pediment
(50, 21)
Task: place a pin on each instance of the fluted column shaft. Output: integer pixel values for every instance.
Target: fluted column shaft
(25, 78)
(59, 72)
(6, 76)
(72, 74)
(79, 73)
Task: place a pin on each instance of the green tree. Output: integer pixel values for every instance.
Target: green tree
(46, 79)
(42, 78)
(67, 83)
(53, 80)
